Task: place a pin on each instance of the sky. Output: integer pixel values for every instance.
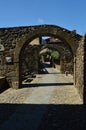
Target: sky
(69, 14)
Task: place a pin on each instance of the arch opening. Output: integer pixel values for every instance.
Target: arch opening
(36, 61)
(69, 37)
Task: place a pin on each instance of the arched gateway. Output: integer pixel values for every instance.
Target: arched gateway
(69, 37)
(20, 37)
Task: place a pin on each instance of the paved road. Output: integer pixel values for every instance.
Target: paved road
(28, 108)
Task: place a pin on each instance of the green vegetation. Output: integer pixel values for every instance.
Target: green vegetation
(51, 54)
(54, 54)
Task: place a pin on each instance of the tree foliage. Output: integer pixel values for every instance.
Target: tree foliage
(55, 55)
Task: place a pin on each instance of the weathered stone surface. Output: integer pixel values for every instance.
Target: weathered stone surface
(16, 39)
(30, 59)
(79, 68)
(13, 35)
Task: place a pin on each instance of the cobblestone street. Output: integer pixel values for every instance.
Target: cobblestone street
(49, 102)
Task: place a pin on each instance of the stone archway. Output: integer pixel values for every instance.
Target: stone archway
(65, 56)
(69, 37)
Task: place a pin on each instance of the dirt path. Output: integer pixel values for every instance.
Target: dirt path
(27, 108)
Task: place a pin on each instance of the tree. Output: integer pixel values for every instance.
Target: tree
(55, 55)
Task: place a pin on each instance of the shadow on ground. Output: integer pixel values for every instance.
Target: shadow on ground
(56, 117)
(45, 84)
(64, 117)
(4, 87)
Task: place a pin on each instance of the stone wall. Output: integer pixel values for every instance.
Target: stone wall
(29, 59)
(79, 68)
(14, 40)
(84, 90)
(11, 36)
(67, 64)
